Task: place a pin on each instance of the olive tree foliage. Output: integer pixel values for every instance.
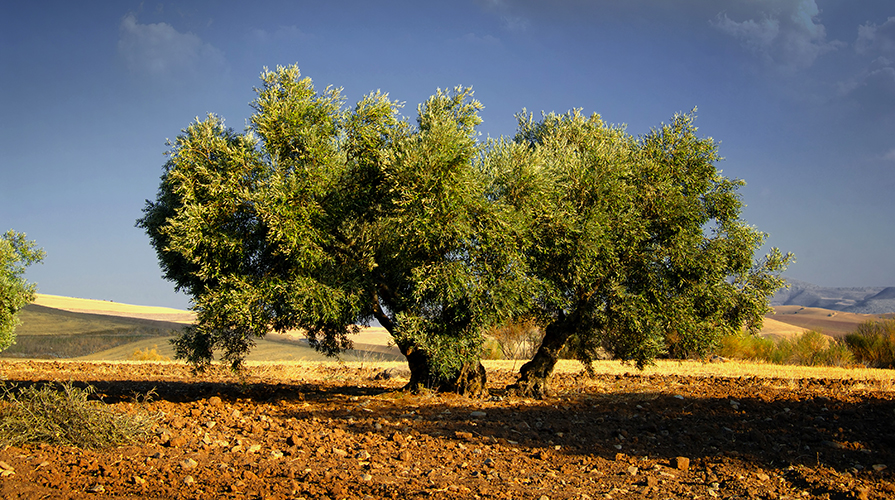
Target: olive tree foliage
(322, 218)
(16, 254)
(637, 243)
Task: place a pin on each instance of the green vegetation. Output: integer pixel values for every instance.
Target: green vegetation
(16, 254)
(636, 245)
(322, 218)
(873, 343)
(809, 349)
(65, 415)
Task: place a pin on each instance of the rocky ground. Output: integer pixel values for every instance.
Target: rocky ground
(340, 432)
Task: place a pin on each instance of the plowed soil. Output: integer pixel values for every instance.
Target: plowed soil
(342, 432)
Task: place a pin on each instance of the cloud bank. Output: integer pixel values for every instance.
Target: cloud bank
(786, 34)
(874, 87)
(160, 52)
(876, 39)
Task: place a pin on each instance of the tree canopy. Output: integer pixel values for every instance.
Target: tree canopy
(323, 218)
(16, 254)
(637, 242)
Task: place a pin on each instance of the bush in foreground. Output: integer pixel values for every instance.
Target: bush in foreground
(64, 415)
(873, 343)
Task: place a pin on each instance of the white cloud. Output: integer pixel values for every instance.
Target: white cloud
(514, 23)
(876, 39)
(787, 34)
(890, 156)
(757, 36)
(873, 88)
(161, 52)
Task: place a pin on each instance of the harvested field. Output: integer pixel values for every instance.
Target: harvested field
(325, 430)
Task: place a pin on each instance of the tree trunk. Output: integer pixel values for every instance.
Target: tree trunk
(534, 376)
(470, 381)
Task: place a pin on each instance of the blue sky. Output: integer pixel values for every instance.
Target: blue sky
(800, 94)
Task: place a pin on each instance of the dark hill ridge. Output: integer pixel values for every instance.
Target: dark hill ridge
(888, 293)
(860, 300)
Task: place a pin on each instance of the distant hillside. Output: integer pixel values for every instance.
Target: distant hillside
(64, 327)
(860, 300)
(109, 308)
(826, 321)
(47, 332)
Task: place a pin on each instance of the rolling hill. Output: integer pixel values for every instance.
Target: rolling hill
(826, 321)
(859, 300)
(65, 327)
(48, 332)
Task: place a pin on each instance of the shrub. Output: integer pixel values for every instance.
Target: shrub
(491, 349)
(746, 346)
(518, 340)
(873, 343)
(838, 354)
(809, 349)
(64, 415)
(148, 355)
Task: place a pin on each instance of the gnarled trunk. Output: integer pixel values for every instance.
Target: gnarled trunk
(534, 376)
(469, 381)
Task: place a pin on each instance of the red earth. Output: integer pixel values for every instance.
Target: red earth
(344, 432)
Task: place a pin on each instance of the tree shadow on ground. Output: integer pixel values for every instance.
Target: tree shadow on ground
(768, 423)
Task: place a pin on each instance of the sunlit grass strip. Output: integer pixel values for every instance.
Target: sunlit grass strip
(308, 370)
(63, 414)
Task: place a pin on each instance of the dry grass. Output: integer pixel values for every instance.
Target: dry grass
(65, 414)
(732, 369)
(306, 370)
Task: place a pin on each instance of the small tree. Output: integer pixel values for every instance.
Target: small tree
(16, 254)
(321, 219)
(638, 244)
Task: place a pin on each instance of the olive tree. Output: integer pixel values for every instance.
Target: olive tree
(16, 254)
(638, 244)
(321, 218)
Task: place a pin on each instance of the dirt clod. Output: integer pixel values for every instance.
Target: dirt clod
(681, 463)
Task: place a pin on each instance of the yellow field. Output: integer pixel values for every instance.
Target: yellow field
(108, 308)
(775, 329)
